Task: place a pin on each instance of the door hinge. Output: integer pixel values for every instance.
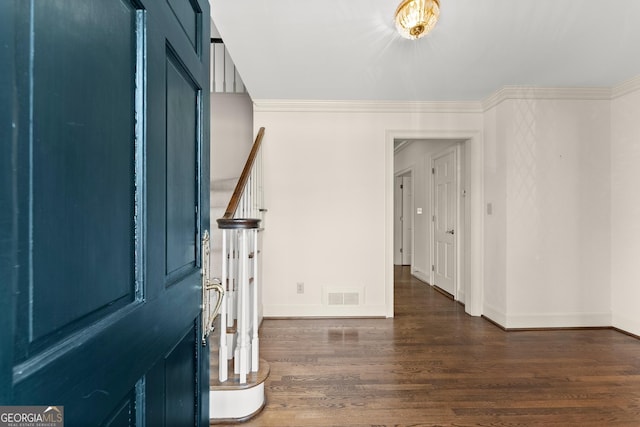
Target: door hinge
(401, 186)
(433, 268)
(433, 170)
(433, 218)
(400, 250)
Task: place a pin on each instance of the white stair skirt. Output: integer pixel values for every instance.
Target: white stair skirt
(231, 402)
(236, 405)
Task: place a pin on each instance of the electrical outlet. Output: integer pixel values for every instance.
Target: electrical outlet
(300, 287)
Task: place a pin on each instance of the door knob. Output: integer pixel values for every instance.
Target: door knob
(449, 231)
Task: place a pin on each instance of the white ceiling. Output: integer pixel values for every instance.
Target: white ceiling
(349, 49)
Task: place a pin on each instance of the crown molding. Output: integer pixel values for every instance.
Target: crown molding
(560, 93)
(503, 94)
(320, 106)
(626, 87)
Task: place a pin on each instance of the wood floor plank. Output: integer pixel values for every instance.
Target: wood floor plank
(433, 365)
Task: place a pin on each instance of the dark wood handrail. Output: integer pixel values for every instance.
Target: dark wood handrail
(238, 223)
(242, 182)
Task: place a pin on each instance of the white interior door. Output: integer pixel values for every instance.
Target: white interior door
(397, 221)
(445, 205)
(407, 231)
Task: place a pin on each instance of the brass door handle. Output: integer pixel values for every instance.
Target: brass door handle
(215, 285)
(208, 286)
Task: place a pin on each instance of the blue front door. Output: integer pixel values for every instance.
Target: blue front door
(104, 198)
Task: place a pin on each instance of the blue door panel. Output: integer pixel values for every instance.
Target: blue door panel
(83, 162)
(182, 140)
(187, 13)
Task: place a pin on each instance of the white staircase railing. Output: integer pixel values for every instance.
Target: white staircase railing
(224, 76)
(241, 226)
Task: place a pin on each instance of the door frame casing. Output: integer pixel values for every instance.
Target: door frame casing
(397, 232)
(474, 149)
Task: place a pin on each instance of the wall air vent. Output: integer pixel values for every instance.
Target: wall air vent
(343, 296)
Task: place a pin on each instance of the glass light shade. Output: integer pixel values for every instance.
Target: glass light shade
(415, 18)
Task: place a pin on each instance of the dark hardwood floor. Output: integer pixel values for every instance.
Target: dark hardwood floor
(433, 365)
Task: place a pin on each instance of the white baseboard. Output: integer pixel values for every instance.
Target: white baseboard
(625, 324)
(320, 310)
(558, 320)
(495, 315)
(562, 320)
(421, 276)
(461, 297)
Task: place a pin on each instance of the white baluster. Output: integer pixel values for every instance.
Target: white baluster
(254, 201)
(245, 201)
(250, 197)
(255, 341)
(253, 193)
(231, 300)
(223, 373)
(242, 311)
(218, 66)
(229, 72)
(260, 195)
(237, 362)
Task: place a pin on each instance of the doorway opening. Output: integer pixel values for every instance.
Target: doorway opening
(446, 219)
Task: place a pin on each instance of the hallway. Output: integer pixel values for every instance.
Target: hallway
(433, 365)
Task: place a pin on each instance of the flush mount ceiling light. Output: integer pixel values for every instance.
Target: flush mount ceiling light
(415, 18)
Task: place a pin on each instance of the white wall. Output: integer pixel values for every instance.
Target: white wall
(554, 157)
(417, 157)
(559, 173)
(231, 134)
(326, 192)
(625, 210)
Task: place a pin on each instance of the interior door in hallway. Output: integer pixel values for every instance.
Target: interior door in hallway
(445, 208)
(107, 203)
(402, 221)
(397, 220)
(407, 216)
